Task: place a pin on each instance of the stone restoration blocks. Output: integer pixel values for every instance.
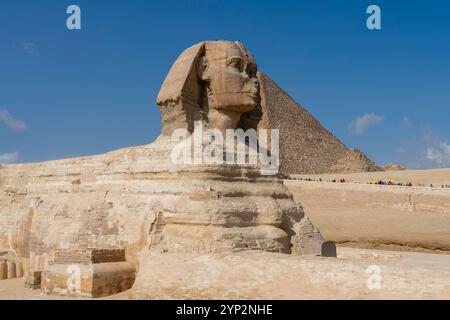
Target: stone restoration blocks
(91, 273)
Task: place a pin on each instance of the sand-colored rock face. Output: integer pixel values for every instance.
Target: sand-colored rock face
(214, 81)
(138, 198)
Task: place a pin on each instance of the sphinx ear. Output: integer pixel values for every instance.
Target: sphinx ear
(182, 80)
(203, 71)
(180, 93)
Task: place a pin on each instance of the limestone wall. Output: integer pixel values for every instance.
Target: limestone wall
(73, 207)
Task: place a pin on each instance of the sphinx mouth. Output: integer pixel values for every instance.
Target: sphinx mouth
(253, 93)
(255, 96)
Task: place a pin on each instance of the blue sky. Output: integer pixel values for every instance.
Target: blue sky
(69, 93)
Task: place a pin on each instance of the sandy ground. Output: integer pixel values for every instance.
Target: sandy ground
(436, 177)
(15, 290)
(262, 275)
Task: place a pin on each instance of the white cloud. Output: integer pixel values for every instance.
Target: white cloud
(9, 157)
(439, 154)
(28, 47)
(422, 149)
(9, 121)
(360, 124)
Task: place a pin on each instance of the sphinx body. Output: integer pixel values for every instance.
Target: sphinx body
(137, 199)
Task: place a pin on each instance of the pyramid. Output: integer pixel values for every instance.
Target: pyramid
(306, 147)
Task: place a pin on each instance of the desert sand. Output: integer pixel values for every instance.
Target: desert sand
(265, 275)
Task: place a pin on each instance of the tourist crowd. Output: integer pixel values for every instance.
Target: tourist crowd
(378, 182)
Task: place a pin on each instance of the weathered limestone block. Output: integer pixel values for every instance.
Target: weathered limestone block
(3, 269)
(309, 241)
(10, 265)
(90, 281)
(89, 273)
(33, 280)
(11, 269)
(210, 239)
(88, 256)
(19, 268)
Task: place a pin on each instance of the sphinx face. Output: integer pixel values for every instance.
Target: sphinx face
(231, 76)
(213, 78)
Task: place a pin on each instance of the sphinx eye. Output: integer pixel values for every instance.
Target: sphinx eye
(251, 70)
(236, 63)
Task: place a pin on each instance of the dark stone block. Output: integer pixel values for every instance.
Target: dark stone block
(329, 249)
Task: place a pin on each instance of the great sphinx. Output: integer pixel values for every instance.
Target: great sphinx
(91, 216)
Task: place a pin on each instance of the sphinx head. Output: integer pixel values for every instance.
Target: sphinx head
(214, 81)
